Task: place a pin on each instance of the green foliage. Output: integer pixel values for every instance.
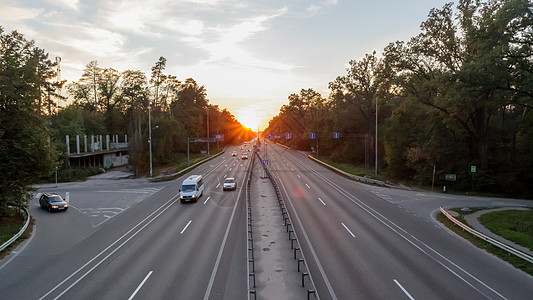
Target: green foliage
(107, 101)
(503, 254)
(513, 225)
(459, 93)
(26, 153)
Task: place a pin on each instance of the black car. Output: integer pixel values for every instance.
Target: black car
(52, 202)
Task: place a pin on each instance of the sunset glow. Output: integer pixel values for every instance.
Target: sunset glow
(261, 51)
(248, 117)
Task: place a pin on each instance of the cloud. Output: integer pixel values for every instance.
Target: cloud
(86, 38)
(227, 44)
(315, 8)
(17, 15)
(70, 4)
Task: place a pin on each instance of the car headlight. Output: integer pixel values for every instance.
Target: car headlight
(181, 197)
(193, 196)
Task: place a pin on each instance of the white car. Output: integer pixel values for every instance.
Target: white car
(229, 184)
(234, 153)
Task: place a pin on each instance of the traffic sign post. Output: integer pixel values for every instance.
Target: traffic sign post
(473, 170)
(265, 163)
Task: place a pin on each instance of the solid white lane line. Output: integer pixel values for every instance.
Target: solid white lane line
(404, 290)
(186, 227)
(353, 235)
(322, 201)
(140, 285)
(216, 187)
(206, 200)
(307, 186)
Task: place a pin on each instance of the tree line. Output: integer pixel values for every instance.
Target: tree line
(456, 95)
(33, 125)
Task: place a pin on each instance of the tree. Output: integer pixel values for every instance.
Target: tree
(158, 79)
(85, 90)
(25, 151)
(135, 93)
(359, 89)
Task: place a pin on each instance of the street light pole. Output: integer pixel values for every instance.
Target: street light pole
(376, 159)
(150, 135)
(207, 130)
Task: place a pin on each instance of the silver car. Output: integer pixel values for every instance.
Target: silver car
(229, 184)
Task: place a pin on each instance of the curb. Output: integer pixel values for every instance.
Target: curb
(358, 178)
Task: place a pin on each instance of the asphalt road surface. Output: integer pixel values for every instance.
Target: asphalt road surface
(126, 239)
(132, 239)
(369, 242)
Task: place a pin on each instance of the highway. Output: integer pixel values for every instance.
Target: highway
(133, 239)
(369, 242)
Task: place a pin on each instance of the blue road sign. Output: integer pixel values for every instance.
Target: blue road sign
(312, 135)
(288, 136)
(270, 136)
(265, 162)
(336, 135)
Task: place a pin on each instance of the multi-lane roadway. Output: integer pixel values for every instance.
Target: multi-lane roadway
(132, 239)
(368, 242)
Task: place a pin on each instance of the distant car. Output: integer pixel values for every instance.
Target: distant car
(234, 153)
(244, 156)
(52, 201)
(229, 184)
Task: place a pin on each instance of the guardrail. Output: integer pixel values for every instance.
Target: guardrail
(16, 236)
(249, 226)
(358, 178)
(480, 235)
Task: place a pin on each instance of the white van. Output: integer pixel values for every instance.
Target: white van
(192, 188)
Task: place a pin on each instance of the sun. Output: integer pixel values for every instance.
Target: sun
(248, 118)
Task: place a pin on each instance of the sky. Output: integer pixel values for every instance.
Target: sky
(250, 55)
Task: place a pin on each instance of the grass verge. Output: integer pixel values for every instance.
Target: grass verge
(513, 225)
(9, 227)
(502, 254)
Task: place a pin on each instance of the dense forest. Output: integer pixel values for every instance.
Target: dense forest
(454, 99)
(103, 101)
